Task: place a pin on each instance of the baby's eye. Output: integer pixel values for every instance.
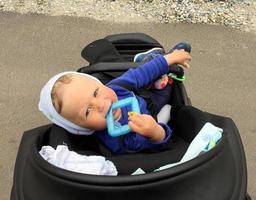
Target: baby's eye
(88, 110)
(95, 92)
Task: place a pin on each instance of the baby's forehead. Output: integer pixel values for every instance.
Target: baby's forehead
(82, 77)
(77, 78)
(85, 80)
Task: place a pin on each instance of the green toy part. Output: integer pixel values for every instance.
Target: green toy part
(174, 77)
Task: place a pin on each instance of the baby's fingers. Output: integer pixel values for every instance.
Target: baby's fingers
(134, 127)
(136, 119)
(185, 65)
(188, 56)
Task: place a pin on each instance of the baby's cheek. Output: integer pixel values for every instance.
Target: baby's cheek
(112, 95)
(100, 123)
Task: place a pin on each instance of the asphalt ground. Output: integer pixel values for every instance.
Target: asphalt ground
(35, 47)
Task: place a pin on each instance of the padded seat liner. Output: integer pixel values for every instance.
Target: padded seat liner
(127, 163)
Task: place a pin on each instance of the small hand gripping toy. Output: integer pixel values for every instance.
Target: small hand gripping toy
(114, 128)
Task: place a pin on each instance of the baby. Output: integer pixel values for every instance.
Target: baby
(79, 103)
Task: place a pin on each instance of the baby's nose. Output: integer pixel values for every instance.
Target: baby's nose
(99, 103)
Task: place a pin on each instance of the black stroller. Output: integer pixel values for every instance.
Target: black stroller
(219, 174)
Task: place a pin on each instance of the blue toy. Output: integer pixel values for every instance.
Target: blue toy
(114, 128)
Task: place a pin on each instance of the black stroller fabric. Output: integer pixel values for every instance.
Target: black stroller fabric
(219, 174)
(101, 51)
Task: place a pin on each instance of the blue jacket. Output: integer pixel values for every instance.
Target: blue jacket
(136, 78)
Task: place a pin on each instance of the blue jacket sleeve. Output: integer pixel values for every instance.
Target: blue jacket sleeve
(135, 142)
(144, 74)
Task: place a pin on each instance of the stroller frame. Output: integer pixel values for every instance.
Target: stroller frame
(219, 174)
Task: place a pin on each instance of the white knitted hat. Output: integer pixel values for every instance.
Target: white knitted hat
(46, 106)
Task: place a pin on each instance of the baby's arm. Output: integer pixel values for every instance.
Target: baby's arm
(144, 74)
(147, 134)
(134, 142)
(150, 71)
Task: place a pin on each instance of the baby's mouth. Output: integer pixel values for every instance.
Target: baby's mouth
(115, 113)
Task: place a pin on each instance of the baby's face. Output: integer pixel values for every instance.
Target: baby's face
(86, 102)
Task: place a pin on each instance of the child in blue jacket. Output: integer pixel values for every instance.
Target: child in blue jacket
(79, 103)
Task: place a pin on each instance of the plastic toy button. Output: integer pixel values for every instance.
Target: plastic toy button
(115, 129)
(131, 113)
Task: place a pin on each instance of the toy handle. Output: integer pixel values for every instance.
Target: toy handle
(121, 130)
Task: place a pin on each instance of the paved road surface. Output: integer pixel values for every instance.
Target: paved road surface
(34, 47)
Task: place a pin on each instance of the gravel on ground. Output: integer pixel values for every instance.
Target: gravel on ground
(240, 14)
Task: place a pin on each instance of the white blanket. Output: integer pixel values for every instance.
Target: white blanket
(72, 161)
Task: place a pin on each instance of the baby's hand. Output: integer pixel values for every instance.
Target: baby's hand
(178, 57)
(146, 125)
